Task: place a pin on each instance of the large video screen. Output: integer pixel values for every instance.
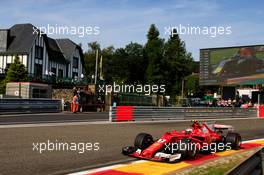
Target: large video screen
(233, 65)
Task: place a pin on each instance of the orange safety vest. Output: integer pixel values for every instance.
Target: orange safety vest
(74, 100)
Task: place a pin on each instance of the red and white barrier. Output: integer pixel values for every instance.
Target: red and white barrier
(261, 111)
(150, 113)
(124, 113)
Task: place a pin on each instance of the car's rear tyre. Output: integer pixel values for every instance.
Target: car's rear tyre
(143, 141)
(234, 140)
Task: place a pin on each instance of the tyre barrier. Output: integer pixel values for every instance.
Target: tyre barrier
(134, 113)
(17, 106)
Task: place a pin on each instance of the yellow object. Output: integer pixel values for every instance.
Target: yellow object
(152, 168)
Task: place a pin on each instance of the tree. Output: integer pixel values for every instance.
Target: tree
(2, 86)
(192, 84)
(16, 72)
(119, 66)
(177, 63)
(154, 49)
(108, 54)
(136, 63)
(89, 59)
(157, 62)
(154, 54)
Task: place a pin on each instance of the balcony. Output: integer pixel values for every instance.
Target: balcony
(56, 81)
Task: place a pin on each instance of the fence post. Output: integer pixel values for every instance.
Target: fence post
(110, 114)
(62, 104)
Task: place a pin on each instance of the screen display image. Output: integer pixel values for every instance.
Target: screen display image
(228, 65)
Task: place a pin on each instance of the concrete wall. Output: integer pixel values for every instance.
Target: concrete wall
(28, 90)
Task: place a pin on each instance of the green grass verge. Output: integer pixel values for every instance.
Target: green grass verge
(219, 166)
(216, 170)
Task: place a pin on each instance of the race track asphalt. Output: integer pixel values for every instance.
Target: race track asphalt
(17, 155)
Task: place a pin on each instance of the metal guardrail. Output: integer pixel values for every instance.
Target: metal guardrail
(11, 106)
(254, 165)
(178, 113)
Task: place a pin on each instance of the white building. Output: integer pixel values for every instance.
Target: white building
(41, 55)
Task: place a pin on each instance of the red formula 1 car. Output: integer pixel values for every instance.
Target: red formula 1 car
(174, 145)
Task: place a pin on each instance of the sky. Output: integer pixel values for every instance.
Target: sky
(123, 21)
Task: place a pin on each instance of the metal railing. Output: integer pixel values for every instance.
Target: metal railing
(179, 113)
(12, 106)
(254, 165)
(55, 80)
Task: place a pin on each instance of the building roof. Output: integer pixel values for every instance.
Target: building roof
(21, 38)
(54, 50)
(68, 47)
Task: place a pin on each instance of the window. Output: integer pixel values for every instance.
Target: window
(8, 65)
(54, 71)
(38, 70)
(60, 73)
(39, 93)
(39, 52)
(75, 62)
(67, 70)
(74, 75)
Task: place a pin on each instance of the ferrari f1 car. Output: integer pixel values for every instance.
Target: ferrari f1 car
(174, 146)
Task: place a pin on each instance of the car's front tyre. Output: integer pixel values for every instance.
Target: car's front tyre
(143, 140)
(128, 150)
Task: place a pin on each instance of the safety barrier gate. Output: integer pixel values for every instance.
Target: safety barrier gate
(134, 113)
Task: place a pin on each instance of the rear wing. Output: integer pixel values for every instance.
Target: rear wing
(218, 127)
(214, 126)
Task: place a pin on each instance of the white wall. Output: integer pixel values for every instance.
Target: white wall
(39, 41)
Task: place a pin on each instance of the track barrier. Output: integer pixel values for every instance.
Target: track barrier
(253, 165)
(261, 111)
(134, 113)
(16, 106)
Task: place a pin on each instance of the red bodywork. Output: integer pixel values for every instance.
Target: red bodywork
(199, 134)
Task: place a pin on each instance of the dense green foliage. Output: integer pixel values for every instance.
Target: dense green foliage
(16, 72)
(192, 84)
(157, 62)
(2, 86)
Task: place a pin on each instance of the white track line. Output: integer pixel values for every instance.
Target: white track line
(67, 123)
(253, 140)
